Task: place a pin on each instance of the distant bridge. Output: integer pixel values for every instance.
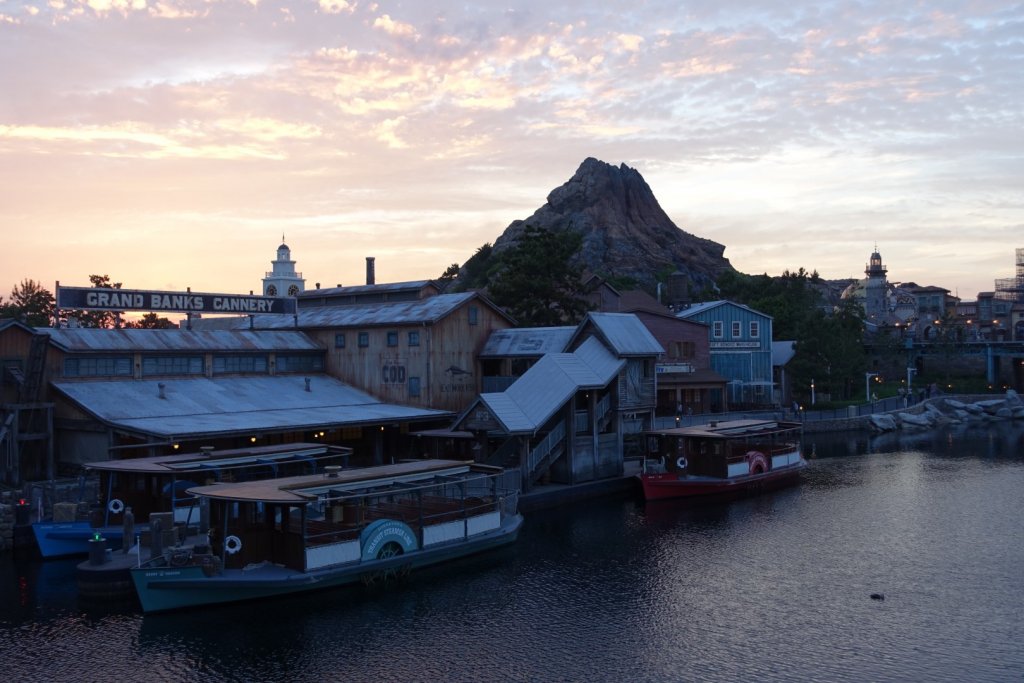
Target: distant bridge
(989, 349)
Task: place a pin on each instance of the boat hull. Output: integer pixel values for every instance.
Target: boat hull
(67, 539)
(171, 588)
(669, 486)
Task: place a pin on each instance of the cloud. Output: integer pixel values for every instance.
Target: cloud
(854, 118)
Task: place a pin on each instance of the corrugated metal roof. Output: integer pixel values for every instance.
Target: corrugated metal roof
(234, 405)
(412, 286)
(428, 310)
(92, 339)
(527, 341)
(543, 389)
(625, 333)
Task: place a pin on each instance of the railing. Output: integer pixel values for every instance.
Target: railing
(883, 405)
(604, 406)
(544, 448)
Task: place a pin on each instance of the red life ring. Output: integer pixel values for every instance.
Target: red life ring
(758, 463)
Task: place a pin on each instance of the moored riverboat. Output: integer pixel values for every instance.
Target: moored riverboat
(721, 459)
(142, 486)
(283, 536)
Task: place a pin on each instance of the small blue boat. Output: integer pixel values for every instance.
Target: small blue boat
(160, 484)
(277, 537)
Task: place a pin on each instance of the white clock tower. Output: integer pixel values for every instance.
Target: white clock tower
(283, 280)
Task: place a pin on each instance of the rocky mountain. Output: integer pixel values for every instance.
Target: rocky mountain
(625, 231)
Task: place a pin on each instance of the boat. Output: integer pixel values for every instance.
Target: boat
(158, 484)
(721, 459)
(367, 525)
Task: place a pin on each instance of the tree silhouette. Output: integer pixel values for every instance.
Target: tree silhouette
(31, 303)
(536, 281)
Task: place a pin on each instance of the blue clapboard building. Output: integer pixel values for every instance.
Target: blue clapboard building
(741, 350)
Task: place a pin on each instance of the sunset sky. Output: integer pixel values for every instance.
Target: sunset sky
(171, 143)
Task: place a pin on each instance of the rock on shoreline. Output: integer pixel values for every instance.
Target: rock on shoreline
(940, 411)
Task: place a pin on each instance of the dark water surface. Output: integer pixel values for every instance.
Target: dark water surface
(771, 588)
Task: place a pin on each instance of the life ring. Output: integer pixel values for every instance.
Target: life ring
(232, 544)
(116, 506)
(758, 463)
(681, 463)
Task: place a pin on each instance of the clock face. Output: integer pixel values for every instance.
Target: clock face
(271, 290)
(293, 290)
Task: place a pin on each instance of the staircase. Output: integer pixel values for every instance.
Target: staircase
(31, 382)
(546, 452)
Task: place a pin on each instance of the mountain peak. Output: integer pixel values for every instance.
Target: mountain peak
(625, 231)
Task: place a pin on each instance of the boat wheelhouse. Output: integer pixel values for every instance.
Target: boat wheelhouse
(721, 459)
(276, 537)
(159, 483)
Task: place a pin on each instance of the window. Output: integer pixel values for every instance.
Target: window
(339, 341)
(392, 339)
(474, 315)
(172, 365)
(755, 329)
(364, 339)
(297, 363)
(414, 338)
(736, 329)
(98, 366)
(717, 329)
(239, 363)
(689, 349)
(414, 386)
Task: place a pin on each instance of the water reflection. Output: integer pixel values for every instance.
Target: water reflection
(772, 587)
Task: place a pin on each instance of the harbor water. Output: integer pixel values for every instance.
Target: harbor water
(776, 587)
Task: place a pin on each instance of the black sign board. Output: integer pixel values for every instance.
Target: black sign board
(103, 299)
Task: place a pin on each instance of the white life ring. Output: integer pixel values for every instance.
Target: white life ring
(116, 506)
(232, 544)
(681, 463)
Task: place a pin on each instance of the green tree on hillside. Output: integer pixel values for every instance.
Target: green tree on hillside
(535, 279)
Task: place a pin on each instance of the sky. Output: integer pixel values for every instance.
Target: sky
(172, 143)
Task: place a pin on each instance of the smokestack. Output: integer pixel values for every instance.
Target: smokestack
(370, 279)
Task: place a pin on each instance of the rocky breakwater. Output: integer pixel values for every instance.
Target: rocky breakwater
(945, 411)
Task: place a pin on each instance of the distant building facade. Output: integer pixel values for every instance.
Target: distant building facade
(741, 350)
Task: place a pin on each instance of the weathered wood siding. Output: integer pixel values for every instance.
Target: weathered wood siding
(672, 333)
(443, 363)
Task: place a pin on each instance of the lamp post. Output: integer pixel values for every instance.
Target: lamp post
(867, 385)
